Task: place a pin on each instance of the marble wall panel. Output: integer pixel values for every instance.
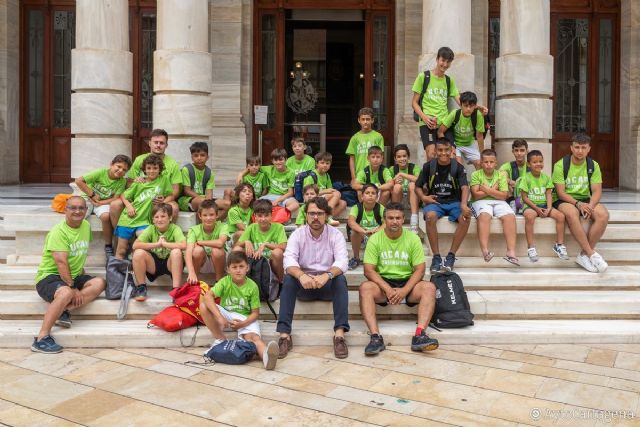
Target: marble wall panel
(226, 68)
(503, 150)
(101, 69)
(101, 113)
(183, 25)
(446, 23)
(521, 74)
(178, 148)
(9, 94)
(225, 99)
(183, 114)
(524, 27)
(225, 36)
(528, 118)
(181, 71)
(103, 24)
(480, 47)
(91, 153)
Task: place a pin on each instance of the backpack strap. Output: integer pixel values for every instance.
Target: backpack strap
(453, 172)
(590, 169)
(206, 178)
(381, 174)
(456, 118)
(425, 85)
(192, 173)
(396, 169)
(411, 168)
(474, 122)
(360, 212)
(377, 213)
(566, 164)
(367, 174)
(448, 79)
(430, 175)
(515, 172)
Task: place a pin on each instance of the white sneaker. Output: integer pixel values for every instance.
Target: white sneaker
(270, 356)
(598, 262)
(215, 343)
(533, 254)
(560, 250)
(583, 261)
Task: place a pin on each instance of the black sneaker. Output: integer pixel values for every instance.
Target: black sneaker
(375, 346)
(64, 321)
(108, 252)
(449, 261)
(46, 345)
(354, 263)
(436, 264)
(422, 342)
(140, 293)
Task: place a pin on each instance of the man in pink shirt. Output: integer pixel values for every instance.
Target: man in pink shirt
(315, 262)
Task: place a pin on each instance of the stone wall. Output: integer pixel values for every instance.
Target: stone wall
(9, 94)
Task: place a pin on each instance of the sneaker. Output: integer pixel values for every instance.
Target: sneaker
(64, 320)
(348, 233)
(46, 345)
(108, 252)
(449, 261)
(422, 342)
(354, 263)
(598, 262)
(215, 343)
(414, 228)
(270, 356)
(365, 239)
(583, 261)
(375, 346)
(284, 346)
(533, 254)
(140, 293)
(340, 349)
(436, 264)
(560, 250)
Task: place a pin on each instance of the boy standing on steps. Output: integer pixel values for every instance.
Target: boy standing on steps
(358, 148)
(578, 182)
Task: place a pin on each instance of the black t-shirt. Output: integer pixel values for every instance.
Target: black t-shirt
(442, 184)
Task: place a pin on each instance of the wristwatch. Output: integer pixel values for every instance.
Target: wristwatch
(330, 274)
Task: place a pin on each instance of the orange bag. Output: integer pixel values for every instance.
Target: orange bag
(279, 214)
(172, 319)
(187, 298)
(59, 202)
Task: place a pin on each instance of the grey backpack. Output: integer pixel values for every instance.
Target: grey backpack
(119, 283)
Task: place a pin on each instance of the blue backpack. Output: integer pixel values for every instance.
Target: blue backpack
(232, 352)
(299, 184)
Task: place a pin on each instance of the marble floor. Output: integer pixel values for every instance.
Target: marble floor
(461, 385)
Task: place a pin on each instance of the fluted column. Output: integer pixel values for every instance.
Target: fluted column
(524, 78)
(182, 75)
(101, 78)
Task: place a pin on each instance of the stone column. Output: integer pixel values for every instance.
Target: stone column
(9, 96)
(524, 78)
(182, 75)
(101, 76)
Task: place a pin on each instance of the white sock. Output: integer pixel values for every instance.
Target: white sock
(414, 219)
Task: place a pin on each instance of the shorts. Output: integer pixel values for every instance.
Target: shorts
(495, 208)
(468, 153)
(558, 202)
(161, 267)
(397, 283)
(184, 203)
(128, 232)
(48, 286)
(272, 197)
(430, 136)
(97, 210)
(251, 328)
(542, 206)
(452, 209)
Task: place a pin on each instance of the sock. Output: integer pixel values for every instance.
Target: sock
(419, 331)
(452, 254)
(108, 246)
(437, 255)
(414, 219)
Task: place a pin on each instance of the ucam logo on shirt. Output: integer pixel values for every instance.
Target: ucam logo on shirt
(149, 194)
(437, 94)
(577, 182)
(394, 257)
(78, 248)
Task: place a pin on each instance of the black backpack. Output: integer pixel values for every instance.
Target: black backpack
(425, 85)
(566, 164)
(515, 172)
(367, 174)
(430, 171)
(298, 185)
(377, 213)
(474, 121)
(268, 285)
(452, 305)
(192, 176)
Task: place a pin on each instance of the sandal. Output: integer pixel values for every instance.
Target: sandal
(511, 259)
(488, 256)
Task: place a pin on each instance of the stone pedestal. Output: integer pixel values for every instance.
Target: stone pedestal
(101, 78)
(524, 76)
(9, 95)
(182, 75)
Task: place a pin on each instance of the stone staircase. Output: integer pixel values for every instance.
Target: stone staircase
(551, 301)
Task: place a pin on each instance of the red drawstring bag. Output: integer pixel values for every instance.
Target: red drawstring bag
(187, 298)
(279, 214)
(172, 319)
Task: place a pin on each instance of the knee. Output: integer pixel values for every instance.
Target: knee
(216, 253)
(277, 254)
(427, 290)
(203, 307)
(64, 293)
(99, 283)
(198, 251)
(138, 254)
(397, 188)
(366, 289)
(176, 254)
(431, 217)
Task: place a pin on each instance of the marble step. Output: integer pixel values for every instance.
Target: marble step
(135, 334)
(484, 304)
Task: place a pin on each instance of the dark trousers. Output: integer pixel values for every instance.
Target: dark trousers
(334, 290)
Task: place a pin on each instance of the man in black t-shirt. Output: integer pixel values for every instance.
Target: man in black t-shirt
(443, 188)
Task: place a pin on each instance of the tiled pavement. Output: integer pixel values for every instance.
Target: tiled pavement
(489, 385)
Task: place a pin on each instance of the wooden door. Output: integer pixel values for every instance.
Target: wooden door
(46, 39)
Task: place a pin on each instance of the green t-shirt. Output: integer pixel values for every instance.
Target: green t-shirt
(478, 177)
(359, 147)
(258, 181)
(536, 188)
(324, 181)
(368, 220)
(105, 187)
(361, 177)
(237, 299)
(151, 234)
(415, 171)
(171, 168)
(183, 201)
(237, 215)
(522, 170)
(577, 183)
(141, 196)
(197, 233)
(296, 166)
(394, 259)
(463, 132)
(434, 102)
(275, 234)
(62, 238)
(279, 182)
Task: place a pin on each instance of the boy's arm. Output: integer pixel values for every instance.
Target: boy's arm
(217, 243)
(351, 221)
(596, 195)
(176, 245)
(525, 198)
(441, 130)
(284, 197)
(188, 191)
(480, 140)
(192, 277)
(477, 193)
(175, 193)
(494, 192)
(131, 211)
(387, 186)
(237, 324)
(418, 110)
(208, 194)
(241, 175)
(144, 245)
(352, 168)
(82, 185)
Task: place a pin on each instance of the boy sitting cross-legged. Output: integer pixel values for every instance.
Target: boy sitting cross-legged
(206, 240)
(280, 181)
(239, 309)
(323, 181)
(300, 161)
(365, 219)
(264, 238)
(158, 251)
(375, 174)
(536, 188)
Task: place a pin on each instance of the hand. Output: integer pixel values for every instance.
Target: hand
(398, 179)
(249, 251)
(307, 282)
(544, 212)
(430, 199)
(401, 294)
(162, 242)
(139, 180)
(236, 324)
(391, 294)
(158, 199)
(192, 279)
(484, 110)
(585, 209)
(131, 211)
(274, 203)
(77, 300)
(258, 252)
(466, 212)
(431, 122)
(539, 211)
(321, 280)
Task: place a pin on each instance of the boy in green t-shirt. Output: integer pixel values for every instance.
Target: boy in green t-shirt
(370, 213)
(139, 200)
(489, 191)
(324, 183)
(251, 175)
(239, 216)
(513, 171)
(405, 175)
(536, 189)
(158, 251)
(280, 181)
(359, 144)
(300, 161)
(265, 238)
(100, 188)
(206, 241)
(238, 310)
(375, 174)
(578, 183)
(468, 148)
(309, 192)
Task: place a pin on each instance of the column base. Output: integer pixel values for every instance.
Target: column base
(503, 150)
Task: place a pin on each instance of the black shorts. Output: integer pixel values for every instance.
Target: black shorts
(430, 136)
(558, 202)
(396, 283)
(48, 286)
(161, 267)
